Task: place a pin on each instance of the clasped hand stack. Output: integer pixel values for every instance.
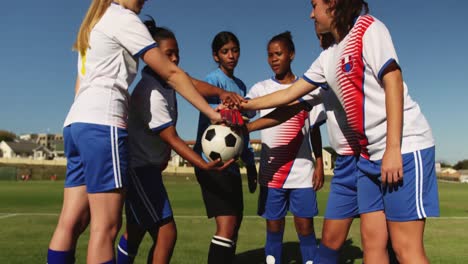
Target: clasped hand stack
(232, 117)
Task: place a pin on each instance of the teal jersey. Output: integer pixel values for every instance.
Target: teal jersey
(220, 79)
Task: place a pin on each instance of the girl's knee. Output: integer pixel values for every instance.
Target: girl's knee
(110, 229)
(304, 230)
(408, 252)
(333, 241)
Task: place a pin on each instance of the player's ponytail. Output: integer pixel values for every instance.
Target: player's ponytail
(158, 33)
(286, 38)
(95, 11)
(345, 12)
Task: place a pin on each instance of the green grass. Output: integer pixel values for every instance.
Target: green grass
(29, 212)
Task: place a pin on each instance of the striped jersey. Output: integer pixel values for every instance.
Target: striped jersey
(340, 135)
(286, 157)
(353, 69)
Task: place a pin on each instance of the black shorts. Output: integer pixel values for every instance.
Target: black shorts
(222, 192)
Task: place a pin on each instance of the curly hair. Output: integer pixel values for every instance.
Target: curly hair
(286, 38)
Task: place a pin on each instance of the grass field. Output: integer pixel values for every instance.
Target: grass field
(29, 212)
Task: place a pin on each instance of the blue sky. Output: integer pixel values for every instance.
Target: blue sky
(38, 67)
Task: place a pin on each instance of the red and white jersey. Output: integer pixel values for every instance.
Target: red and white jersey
(109, 67)
(340, 135)
(286, 157)
(353, 68)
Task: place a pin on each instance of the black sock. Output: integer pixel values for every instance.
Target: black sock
(221, 251)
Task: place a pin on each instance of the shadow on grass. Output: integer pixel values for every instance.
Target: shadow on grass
(292, 254)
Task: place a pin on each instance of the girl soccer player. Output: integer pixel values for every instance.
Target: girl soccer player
(342, 204)
(222, 191)
(287, 177)
(110, 42)
(362, 69)
(152, 135)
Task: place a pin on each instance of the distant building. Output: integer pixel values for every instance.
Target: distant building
(52, 143)
(23, 149)
(256, 144)
(42, 153)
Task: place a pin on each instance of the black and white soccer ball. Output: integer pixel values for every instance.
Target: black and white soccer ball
(220, 141)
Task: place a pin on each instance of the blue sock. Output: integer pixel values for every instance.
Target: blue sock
(308, 245)
(60, 257)
(326, 255)
(273, 247)
(124, 254)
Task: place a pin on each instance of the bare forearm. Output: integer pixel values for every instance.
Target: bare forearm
(278, 116)
(188, 154)
(178, 145)
(393, 84)
(179, 80)
(281, 97)
(183, 85)
(205, 88)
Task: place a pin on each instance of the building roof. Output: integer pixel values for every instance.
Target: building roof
(43, 148)
(22, 147)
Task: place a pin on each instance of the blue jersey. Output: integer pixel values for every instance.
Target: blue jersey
(220, 79)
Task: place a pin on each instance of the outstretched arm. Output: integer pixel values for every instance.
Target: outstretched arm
(170, 136)
(276, 117)
(281, 97)
(206, 89)
(179, 80)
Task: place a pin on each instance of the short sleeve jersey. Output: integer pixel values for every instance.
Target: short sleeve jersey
(354, 69)
(220, 79)
(109, 67)
(286, 156)
(153, 107)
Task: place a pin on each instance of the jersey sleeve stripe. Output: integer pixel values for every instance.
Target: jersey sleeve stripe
(161, 127)
(385, 67)
(145, 49)
(323, 85)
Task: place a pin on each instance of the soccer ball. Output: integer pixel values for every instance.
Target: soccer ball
(220, 141)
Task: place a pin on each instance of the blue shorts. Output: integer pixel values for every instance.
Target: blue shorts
(416, 197)
(97, 156)
(274, 203)
(147, 203)
(344, 200)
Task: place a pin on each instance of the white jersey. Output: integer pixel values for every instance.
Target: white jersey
(153, 107)
(353, 69)
(340, 135)
(286, 157)
(109, 67)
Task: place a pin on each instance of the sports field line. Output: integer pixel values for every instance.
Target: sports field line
(8, 215)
